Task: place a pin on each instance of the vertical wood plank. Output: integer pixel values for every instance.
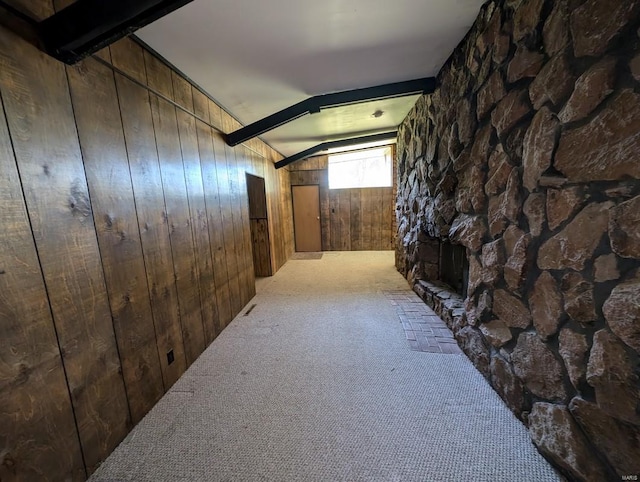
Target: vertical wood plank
(180, 234)
(247, 164)
(325, 216)
(222, 154)
(38, 439)
(365, 202)
(214, 217)
(356, 220)
(97, 114)
(152, 222)
(197, 207)
(159, 76)
(336, 232)
(35, 92)
(344, 219)
(376, 224)
(387, 218)
(127, 56)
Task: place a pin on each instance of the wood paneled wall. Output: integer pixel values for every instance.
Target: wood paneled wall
(351, 219)
(124, 249)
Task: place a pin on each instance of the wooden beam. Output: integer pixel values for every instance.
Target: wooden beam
(334, 144)
(86, 26)
(315, 104)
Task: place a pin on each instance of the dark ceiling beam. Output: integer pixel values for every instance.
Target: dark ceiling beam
(315, 104)
(353, 141)
(86, 26)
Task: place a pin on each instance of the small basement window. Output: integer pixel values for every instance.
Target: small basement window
(364, 168)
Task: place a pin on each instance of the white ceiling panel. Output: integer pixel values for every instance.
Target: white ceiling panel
(258, 57)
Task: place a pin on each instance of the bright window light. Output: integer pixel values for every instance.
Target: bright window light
(365, 168)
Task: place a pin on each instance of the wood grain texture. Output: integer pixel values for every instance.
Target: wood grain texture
(159, 75)
(102, 142)
(247, 163)
(306, 221)
(214, 220)
(153, 225)
(128, 56)
(179, 220)
(260, 246)
(355, 219)
(222, 154)
(35, 91)
(38, 439)
(351, 219)
(259, 225)
(113, 246)
(344, 219)
(197, 207)
(256, 190)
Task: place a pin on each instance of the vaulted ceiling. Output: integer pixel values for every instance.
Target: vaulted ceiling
(256, 57)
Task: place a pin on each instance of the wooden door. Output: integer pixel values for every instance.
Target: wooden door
(306, 217)
(259, 220)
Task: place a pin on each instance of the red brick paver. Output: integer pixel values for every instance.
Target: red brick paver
(425, 331)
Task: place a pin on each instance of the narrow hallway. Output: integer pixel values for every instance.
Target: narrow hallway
(318, 382)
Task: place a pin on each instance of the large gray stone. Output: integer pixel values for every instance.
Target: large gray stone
(499, 170)
(497, 221)
(546, 305)
(466, 121)
(511, 109)
(470, 195)
(508, 386)
(473, 344)
(606, 148)
(560, 439)
(562, 204)
(511, 236)
(611, 372)
(606, 268)
(510, 310)
(526, 18)
(535, 364)
(534, 211)
(595, 23)
(624, 228)
(468, 231)
(482, 146)
(573, 350)
(525, 63)
(618, 441)
(578, 298)
(490, 94)
(575, 244)
(556, 28)
(591, 88)
(475, 275)
(553, 84)
(622, 312)
(496, 332)
(539, 143)
(518, 264)
(492, 262)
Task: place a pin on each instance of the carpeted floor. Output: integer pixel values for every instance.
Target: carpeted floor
(318, 383)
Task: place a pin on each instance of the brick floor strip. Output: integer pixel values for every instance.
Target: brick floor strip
(424, 330)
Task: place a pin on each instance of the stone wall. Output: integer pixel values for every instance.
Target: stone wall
(528, 154)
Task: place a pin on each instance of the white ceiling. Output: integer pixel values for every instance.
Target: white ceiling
(256, 57)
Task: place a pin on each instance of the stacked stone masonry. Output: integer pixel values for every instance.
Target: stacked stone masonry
(528, 154)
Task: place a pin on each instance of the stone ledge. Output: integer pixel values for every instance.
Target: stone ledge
(441, 298)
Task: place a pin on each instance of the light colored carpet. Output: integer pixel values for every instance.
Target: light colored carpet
(318, 383)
